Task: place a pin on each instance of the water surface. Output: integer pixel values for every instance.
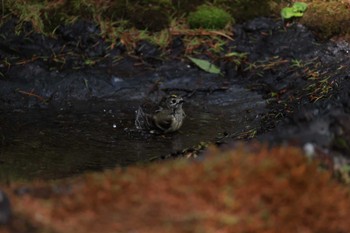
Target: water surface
(55, 143)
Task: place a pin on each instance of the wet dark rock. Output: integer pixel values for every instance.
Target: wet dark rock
(275, 40)
(147, 50)
(81, 31)
(177, 46)
(260, 24)
(5, 209)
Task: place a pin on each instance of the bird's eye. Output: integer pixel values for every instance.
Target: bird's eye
(173, 101)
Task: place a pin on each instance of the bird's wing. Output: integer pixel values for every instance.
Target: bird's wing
(163, 122)
(143, 120)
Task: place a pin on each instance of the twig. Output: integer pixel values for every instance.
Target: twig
(199, 32)
(32, 94)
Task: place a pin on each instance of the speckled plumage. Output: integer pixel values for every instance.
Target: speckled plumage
(167, 118)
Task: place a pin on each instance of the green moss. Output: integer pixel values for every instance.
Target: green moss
(209, 17)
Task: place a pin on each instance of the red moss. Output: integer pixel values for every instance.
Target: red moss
(275, 190)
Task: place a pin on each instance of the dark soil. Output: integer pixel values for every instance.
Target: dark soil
(289, 88)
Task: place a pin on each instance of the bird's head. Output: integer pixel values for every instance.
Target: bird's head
(172, 102)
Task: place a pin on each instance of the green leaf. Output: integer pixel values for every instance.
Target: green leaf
(297, 10)
(299, 6)
(205, 65)
(287, 13)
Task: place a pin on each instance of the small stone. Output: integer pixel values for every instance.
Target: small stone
(309, 150)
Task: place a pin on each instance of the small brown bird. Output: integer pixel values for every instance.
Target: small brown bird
(167, 118)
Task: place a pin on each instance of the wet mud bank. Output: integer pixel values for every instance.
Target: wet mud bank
(68, 102)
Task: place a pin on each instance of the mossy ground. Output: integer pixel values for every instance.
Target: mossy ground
(328, 19)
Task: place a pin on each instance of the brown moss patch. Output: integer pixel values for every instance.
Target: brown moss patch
(275, 190)
(328, 18)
